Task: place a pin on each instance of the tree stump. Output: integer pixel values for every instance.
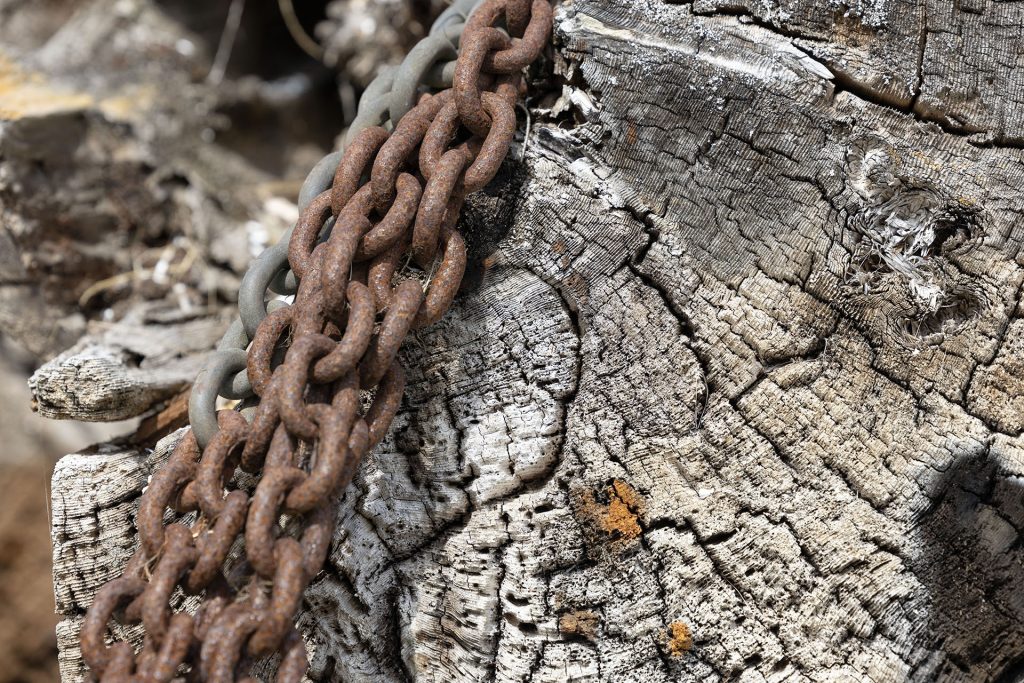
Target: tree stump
(741, 396)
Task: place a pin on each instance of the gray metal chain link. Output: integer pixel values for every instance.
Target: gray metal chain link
(430, 64)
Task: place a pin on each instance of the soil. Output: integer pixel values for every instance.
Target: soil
(28, 644)
(29, 448)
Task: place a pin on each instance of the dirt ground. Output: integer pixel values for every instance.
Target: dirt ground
(28, 646)
(29, 447)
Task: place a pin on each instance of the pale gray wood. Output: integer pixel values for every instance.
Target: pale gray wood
(121, 370)
(740, 399)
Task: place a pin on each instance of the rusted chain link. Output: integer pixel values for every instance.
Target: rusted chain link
(391, 93)
(391, 194)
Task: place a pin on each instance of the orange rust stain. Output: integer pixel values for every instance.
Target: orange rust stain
(577, 284)
(558, 246)
(619, 518)
(580, 623)
(630, 133)
(628, 495)
(680, 639)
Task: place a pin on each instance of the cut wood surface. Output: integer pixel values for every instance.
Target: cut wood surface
(741, 397)
(123, 369)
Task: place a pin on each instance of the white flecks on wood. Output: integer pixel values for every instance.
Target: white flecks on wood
(95, 498)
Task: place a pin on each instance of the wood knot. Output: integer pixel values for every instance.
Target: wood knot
(906, 235)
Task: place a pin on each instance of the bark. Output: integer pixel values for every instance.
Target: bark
(740, 398)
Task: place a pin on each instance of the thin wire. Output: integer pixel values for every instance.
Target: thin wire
(227, 43)
(299, 35)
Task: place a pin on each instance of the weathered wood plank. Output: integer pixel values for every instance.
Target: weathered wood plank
(121, 370)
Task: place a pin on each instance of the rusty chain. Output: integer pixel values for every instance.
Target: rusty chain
(394, 196)
(392, 92)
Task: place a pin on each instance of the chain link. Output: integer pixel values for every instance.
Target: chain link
(386, 99)
(395, 192)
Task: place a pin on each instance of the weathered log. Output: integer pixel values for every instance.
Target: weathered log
(740, 398)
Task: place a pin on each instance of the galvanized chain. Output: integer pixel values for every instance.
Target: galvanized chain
(302, 368)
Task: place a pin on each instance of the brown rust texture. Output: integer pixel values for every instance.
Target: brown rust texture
(581, 623)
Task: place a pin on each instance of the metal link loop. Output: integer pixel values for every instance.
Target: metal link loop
(434, 49)
(389, 96)
(373, 105)
(522, 51)
(467, 78)
(202, 401)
